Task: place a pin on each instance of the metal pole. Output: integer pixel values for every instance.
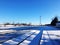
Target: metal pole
(40, 20)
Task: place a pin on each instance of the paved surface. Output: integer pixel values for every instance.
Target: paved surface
(47, 36)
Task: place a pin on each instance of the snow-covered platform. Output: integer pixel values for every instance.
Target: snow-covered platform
(30, 36)
(24, 39)
(50, 37)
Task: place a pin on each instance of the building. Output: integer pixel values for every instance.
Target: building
(58, 24)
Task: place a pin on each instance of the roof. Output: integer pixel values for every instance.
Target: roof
(58, 22)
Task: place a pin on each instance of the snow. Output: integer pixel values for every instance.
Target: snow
(50, 37)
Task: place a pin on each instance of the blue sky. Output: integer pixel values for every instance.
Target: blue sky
(29, 11)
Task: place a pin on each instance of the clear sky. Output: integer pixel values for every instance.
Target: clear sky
(29, 11)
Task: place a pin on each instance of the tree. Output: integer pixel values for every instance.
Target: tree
(54, 21)
(7, 23)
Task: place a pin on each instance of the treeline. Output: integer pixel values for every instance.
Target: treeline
(19, 24)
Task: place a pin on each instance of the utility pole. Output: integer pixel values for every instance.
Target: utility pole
(40, 20)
